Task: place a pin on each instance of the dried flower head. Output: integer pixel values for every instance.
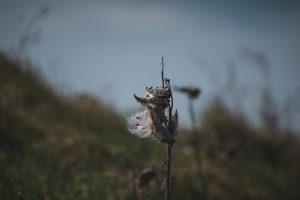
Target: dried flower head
(191, 92)
(150, 121)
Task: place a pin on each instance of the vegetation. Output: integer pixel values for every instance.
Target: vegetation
(76, 147)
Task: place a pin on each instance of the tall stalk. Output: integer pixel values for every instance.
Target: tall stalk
(170, 145)
(192, 94)
(169, 161)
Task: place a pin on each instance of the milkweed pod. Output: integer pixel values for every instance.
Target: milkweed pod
(158, 92)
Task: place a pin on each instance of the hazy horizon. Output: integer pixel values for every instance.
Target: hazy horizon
(113, 49)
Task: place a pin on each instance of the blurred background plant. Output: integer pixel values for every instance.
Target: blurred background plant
(196, 141)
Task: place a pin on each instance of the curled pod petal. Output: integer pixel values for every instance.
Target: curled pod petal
(143, 101)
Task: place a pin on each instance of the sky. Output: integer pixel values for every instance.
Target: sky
(113, 49)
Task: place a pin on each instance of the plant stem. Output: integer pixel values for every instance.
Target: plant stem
(192, 115)
(162, 72)
(169, 160)
(197, 148)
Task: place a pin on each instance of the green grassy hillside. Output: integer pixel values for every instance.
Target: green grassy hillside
(56, 147)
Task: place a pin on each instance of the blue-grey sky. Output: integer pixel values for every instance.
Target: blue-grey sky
(113, 49)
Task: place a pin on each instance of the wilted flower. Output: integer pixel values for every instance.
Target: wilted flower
(191, 92)
(150, 121)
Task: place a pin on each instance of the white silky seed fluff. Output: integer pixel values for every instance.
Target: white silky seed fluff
(142, 126)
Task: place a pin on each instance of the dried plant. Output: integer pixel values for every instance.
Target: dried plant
(156, 121)
(193, 93)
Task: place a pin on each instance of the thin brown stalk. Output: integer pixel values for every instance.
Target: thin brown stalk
(169, 161)
(170, 145)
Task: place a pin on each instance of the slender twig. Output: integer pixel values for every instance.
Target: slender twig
(192, 115)
(170, 145)
(169, 159)
(162, 72)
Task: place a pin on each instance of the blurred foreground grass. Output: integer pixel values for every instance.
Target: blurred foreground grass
(55, 147)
